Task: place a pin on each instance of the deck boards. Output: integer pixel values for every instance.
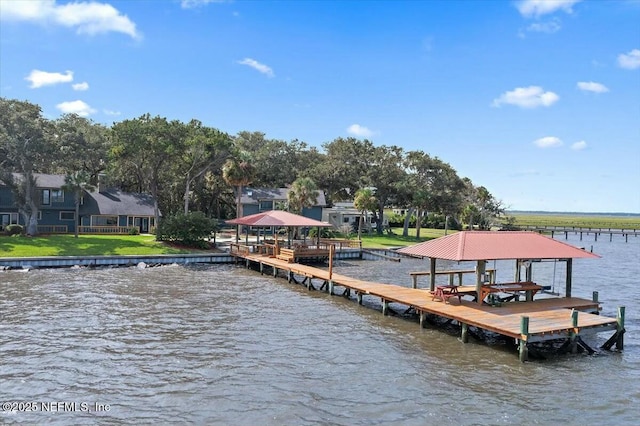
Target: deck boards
(548, 317)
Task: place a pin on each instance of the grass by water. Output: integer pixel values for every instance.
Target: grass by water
(84, 245)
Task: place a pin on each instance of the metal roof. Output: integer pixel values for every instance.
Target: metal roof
(276, 218)
(495, 245)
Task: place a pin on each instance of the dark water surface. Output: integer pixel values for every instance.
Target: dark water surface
(223, 345)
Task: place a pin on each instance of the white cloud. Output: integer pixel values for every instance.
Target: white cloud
(527, 97)
(631, 60)
(80, 86)
(75, 107)
(547, 142)
(86, 17)
(264, 69)
(590, 86)
(111, 112)
(43, 78)
(360, 131)
(190, 4)
(578, 146)
(537, 8)
(548, 27)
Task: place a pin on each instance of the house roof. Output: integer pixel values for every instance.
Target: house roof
(255, 195)
(43, 180)
(114, 202)
(495, 245)
(277, 218)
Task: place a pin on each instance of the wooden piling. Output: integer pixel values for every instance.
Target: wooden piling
(423, 319)
(385, 307)
(524, 336)
(620, 328)
(359, 298)
(465, 333)
(573, 335)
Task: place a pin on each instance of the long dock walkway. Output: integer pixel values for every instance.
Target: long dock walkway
(528, 322)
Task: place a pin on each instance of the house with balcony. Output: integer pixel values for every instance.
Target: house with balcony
(105, 210)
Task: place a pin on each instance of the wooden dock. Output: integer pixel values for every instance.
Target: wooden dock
(583, 231)
(527, 322)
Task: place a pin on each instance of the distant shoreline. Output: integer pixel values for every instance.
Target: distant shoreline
(555, 213)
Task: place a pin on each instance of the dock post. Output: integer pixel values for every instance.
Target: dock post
(465, 333)
(414, 278)
(331, 287)
(620, 328)
(595, 296)
(359, 297)
(573, 335)
(275, 272)
(423, 319)
(524, 336)
(385, 307)
(261, 268)
(289, 276)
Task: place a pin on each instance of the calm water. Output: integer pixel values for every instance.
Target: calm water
(223, 345)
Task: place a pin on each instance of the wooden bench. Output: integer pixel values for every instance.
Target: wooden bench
(287, 255)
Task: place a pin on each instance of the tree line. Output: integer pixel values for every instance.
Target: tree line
(192, 167)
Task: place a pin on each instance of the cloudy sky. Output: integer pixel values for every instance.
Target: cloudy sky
(538, 100)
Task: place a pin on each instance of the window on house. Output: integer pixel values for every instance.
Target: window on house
(67, 215)
(345, 219)
(104, 220)
(39, 214)
(57, 196)
(266, 205)
(46, 197)
(8, 219)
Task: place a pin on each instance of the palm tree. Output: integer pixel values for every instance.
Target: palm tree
(364, 201)
(238, 172)
(77, 182)
(303, 193)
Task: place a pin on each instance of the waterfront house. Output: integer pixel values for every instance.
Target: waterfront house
(104, 210)
(258, 200)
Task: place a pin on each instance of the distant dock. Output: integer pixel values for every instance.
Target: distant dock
(596, 232)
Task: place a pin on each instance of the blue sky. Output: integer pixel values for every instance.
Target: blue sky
(539, 101)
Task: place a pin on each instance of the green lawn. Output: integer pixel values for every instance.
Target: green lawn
(397, 240)
(583, 221)
(84, 245)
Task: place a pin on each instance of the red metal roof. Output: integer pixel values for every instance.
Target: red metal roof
(276, 218)
(493, 245)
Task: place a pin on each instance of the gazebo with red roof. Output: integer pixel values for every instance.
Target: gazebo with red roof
(482, 246)
(277, 218)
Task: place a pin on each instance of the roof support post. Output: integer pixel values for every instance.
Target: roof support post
(480, 270)
(567, 291)
(432, 275)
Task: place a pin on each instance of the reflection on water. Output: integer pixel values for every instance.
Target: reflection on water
(223, 345)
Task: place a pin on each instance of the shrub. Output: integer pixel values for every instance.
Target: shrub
(190, 229)
(324, 233)
(134, 231)
(14, 229)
